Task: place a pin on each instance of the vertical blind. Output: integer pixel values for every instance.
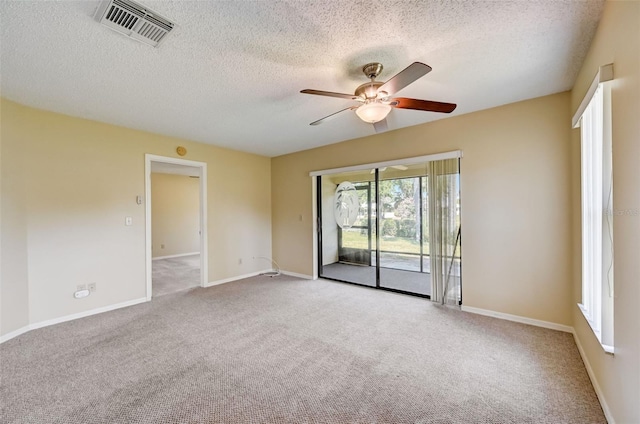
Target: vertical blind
(592, 207)
(444, 230)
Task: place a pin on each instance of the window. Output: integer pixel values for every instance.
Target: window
(597, 199)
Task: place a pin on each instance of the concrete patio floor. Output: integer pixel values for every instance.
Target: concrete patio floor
(397, 271)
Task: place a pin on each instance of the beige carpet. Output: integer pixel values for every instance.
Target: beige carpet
(175, 274)
(284, 350)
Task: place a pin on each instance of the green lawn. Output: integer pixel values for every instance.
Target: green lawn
(357, 240)
(353, 238)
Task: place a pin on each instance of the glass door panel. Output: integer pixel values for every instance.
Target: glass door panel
(402, 243)
(347, 243)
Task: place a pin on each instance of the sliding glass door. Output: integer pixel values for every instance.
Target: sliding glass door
(376, 226)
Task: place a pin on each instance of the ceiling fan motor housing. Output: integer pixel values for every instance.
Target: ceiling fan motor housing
(368, 90)
(372, 70)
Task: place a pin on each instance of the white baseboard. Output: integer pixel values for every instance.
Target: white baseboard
(87, 313)
(71, 317)
(236, 278)
(518, 318)
(594, 381)
(14, 333)
(254, 274)
(174, 256)
(295, 274)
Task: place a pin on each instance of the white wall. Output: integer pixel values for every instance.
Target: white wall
(14, 299)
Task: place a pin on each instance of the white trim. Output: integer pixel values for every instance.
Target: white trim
(518, 318)
(295, 274)
(608, 349)
(314, 224)
(180, 255)
(71, 317)
(14, 333)
(594, 381)
(407, 161)
(87, 313)
(604, 74)
(204, 257)
(236, 278)
(204, 232)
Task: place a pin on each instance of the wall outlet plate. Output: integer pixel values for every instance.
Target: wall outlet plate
(81, 293)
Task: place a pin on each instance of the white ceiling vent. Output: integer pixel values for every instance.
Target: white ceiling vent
(134, 20)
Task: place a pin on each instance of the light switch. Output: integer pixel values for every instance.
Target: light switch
(128, 220)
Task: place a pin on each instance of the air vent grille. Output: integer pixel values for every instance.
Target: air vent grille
(121, 17)
(134, 20)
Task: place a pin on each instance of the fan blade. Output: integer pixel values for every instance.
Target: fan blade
(321, 120)
(404, 78)
(381, 126)
(426, 105)
(330, 94)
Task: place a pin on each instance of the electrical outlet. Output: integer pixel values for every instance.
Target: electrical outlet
(92, 287)
(162, 246)
(239, 261)
(81, 287)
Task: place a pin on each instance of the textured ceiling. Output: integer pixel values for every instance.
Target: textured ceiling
(230, 74)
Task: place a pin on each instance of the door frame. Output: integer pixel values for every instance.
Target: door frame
(204, 257)
(316, 201)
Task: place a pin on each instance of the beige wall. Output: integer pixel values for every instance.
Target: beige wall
(175, 214)
(70, 194)
(617, 41)
(515, 193)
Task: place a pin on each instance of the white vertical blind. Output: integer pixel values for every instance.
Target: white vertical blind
(591, 130)
(444, 230)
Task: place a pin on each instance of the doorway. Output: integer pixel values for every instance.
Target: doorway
(176, 211)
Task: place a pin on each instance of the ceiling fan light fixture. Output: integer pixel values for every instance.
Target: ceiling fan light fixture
(373, 112)
(376, 96)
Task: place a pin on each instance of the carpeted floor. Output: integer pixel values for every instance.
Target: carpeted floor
(175, 274)
(285, 350)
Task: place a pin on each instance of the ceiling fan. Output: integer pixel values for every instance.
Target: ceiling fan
(376, 99)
